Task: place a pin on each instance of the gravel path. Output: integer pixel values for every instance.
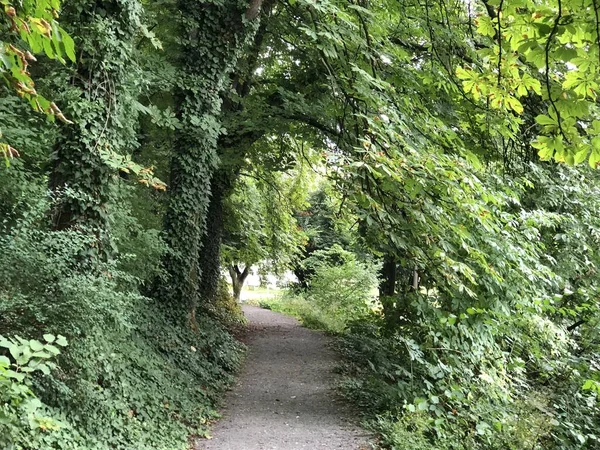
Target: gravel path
(284, 399)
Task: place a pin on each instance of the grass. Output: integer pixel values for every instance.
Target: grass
(253, 294)
(309, 314)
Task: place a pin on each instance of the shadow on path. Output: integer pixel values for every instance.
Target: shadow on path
(284, 399)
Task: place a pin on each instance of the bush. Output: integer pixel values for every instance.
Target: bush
(225, 308)
(25, 422)
(407, 433)
(131, 379)
(340, 289)
(462, 399)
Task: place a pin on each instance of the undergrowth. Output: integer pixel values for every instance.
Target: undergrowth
(475, 382)
(130, 379)
(340, 290)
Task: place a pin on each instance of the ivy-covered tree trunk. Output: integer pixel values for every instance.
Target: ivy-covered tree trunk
(95, 102)
(232, 147)
(215, 34)
(210, 253)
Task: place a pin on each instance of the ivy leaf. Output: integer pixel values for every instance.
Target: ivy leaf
(61, 340)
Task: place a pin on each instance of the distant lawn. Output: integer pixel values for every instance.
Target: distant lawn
(251, 293)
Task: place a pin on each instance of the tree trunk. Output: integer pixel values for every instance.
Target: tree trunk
(215, 34)
(237, 279)
(98, 111)
(210, 254)
(231, 148)
(415, 279)
(387, 285)
(387, 289)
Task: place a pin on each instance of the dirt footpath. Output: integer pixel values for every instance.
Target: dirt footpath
(284, 399)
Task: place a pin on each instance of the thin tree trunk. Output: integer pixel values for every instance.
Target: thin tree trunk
(387, 285)
(387, 289)
(237, 279)
(415, 279)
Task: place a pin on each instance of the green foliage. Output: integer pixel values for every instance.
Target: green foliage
(42, 273)
(408, 433)
(340, 284)
(325, 222)
(557, 39)
(131, 378)
(425, 123)
(104, 123)
(30, 27)
(340, 289)
(260, 224)
(140, 245)
(226, 309)
(493, 365)
(23, 420)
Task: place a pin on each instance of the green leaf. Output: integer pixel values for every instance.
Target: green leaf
(36, 346)
(485, 26)
(581, 156)
(545, 120)
(594, 158)
(68, 45)
(514, 104)
(52, 349)
(44, 369)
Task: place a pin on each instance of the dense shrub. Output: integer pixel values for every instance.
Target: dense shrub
(512, 365)
(340, 288)
(131, 378)
(340, 283)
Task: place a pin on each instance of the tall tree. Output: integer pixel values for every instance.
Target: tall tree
(97, 102)
(260, 227)
(232, 148)
(215, 33)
